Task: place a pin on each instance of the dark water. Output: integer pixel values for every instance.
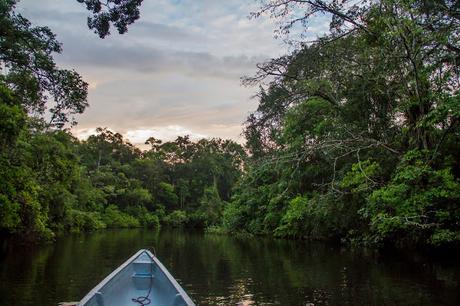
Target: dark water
(222, 270)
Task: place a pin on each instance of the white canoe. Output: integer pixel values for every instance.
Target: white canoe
(141, 280)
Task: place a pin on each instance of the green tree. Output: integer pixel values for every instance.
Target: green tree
(28, 69)
(339, 117)
(211, 206)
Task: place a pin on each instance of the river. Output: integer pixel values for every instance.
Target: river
(225, 270)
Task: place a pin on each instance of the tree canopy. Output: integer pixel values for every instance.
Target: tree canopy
(356, 134)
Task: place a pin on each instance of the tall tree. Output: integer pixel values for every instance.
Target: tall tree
(27, 67)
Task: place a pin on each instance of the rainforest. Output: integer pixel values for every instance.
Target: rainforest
(355, 138)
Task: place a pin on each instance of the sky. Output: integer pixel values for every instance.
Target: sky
(175, 72)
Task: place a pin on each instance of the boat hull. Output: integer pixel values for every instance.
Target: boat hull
(142, 275)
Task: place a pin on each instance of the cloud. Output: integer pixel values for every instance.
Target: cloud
(177, 70)
(137, 58)
(167, 133)
(83, 134)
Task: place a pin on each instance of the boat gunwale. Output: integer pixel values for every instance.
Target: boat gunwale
(109, 277)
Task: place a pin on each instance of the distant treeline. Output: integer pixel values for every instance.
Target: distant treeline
(53, 183)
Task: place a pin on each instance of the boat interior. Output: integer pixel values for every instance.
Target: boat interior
(140, 278)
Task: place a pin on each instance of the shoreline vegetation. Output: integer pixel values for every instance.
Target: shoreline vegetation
(355, 138)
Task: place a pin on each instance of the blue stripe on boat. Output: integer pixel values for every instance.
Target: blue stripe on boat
(134, 278)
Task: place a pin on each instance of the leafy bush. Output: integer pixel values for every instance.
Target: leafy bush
(151, 221)
(295, 220)
(83, 221)
(316, 216)
(167, 196)
(177, 218)
(9, 213)
(145, 217)
(419, 204)
(234, 217)
(114, 218)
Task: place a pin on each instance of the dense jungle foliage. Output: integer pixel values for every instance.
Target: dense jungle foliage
(356, 137)
(54, 183)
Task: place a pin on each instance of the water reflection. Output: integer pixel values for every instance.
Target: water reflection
(222, 270)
